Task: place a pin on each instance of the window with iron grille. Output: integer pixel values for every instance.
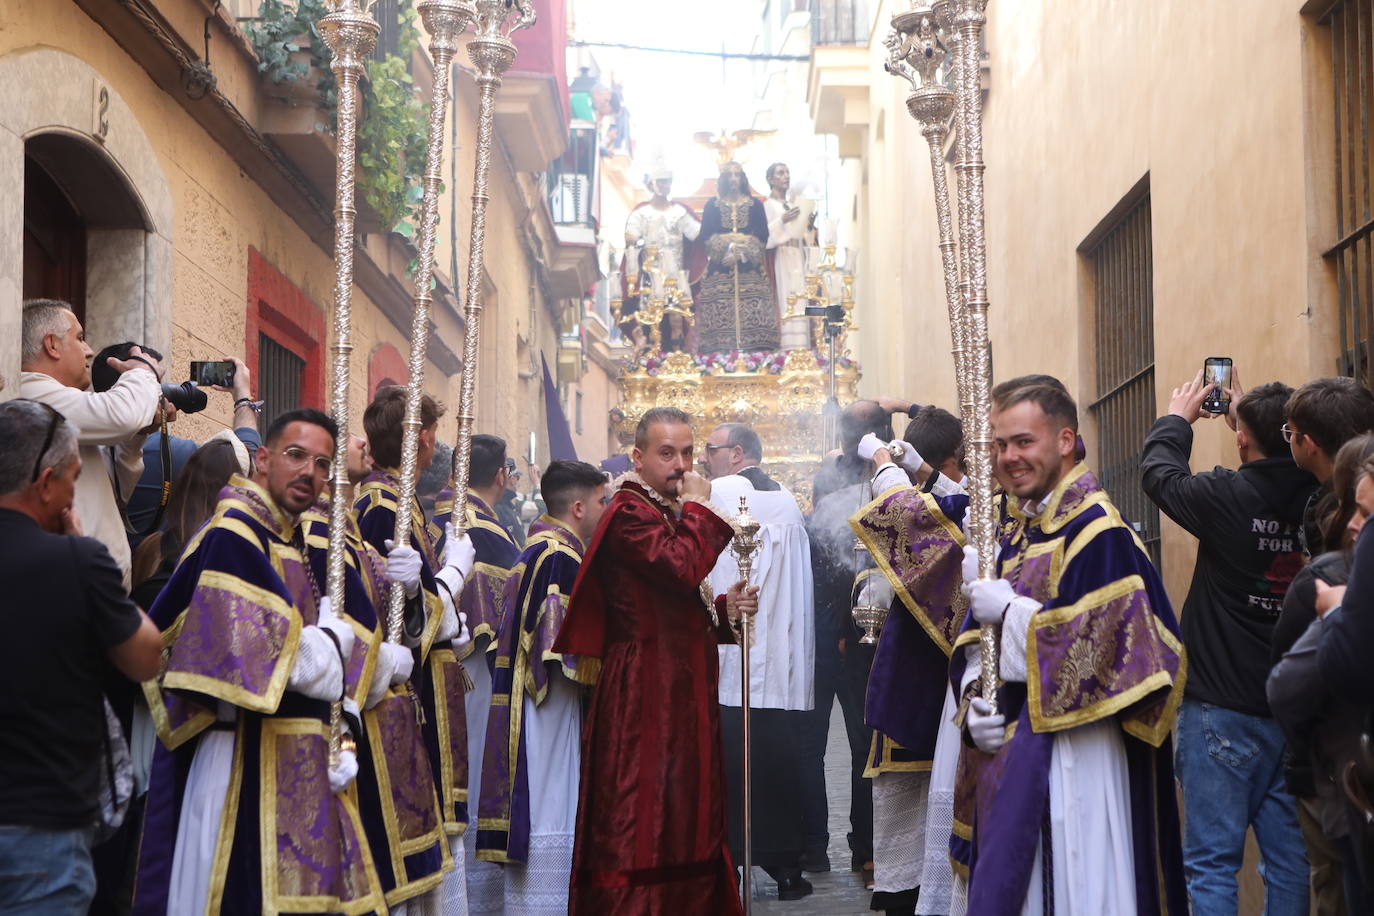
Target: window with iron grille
(1350, 28)
(388, 15)
(279, 379)
(1123, 305)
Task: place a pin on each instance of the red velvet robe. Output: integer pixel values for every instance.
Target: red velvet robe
(651, 826)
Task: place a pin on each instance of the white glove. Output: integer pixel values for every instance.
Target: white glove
(911, 459)
(459, 553)
(341, 776)
(869, 445)
(969, 567)
(318, 671)
(403, 565)
(989, 599)
(337, 626)
(391, 660)
(464, 637)
(400, 660)
(987, 730)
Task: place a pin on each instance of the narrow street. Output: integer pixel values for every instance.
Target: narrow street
(839, 892)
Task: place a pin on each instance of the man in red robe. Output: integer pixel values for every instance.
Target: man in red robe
(651, 827)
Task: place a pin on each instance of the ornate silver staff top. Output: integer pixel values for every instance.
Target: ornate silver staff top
(492, 52)
(351, 33)
(445, 21)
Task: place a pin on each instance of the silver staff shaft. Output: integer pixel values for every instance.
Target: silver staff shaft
(492, 52)
(445, 21)
(744, 545)
(351, 33)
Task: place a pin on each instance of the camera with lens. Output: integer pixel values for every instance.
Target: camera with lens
(186, 397)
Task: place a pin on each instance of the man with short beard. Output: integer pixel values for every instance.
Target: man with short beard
(651, 830)
(243, 786)
(1070, 800)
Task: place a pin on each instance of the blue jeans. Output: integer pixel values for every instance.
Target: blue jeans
(1230, 767)
(45, 872)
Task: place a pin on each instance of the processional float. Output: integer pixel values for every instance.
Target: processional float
(351, 33)
(928, 41)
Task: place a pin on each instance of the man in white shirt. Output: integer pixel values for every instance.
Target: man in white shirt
(781, 659)
(56, 363)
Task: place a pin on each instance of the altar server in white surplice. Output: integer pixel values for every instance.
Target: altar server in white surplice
(781, 658)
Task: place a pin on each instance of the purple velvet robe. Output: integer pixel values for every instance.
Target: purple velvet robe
(536, 602)
(231, 617)
(439, 677)
(1104, 645)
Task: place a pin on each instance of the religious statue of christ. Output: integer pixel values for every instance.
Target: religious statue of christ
(735, 309)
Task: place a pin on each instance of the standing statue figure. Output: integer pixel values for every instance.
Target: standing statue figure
(791, 230)
(669, 227)
(735, 308)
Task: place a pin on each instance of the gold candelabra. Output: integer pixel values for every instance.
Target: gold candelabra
(923, 38)
(826, 284)
(445, 20)
(743, 546)
(492, 52)
(654, 306)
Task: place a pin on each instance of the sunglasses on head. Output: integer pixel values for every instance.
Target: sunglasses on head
(54, 419)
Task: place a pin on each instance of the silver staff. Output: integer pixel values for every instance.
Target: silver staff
(351, 33)
(445, 21)
(744, 545)
(921, 39)
(492, 52)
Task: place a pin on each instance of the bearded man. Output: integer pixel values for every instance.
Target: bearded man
(651, 830)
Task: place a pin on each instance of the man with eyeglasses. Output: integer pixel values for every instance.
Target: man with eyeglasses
(533, 755)
(782, 660)
(68, 619)
(1247, 522)
(244, 809)
(1320, 417)
(57, 371)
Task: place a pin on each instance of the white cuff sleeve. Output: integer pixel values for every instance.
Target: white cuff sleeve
(318, 672)
(451, 579)
(1011, 661)
(889, 476)
(382, 671)
(943, 486)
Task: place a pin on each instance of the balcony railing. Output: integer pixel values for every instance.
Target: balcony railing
(840, 22)
(571, 181)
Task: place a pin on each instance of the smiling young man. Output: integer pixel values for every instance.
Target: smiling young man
(245, 814)
(1072, 799)
(651, 826)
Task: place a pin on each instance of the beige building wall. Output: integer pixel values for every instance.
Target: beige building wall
(1224, 106)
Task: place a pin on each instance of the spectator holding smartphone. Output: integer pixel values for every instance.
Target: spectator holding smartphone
(1230, 750)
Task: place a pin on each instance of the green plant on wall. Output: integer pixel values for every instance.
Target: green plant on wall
(392, 123)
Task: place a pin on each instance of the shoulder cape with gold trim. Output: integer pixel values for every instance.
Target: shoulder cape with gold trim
(496, 553)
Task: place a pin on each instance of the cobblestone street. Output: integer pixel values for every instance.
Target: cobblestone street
(840, 892)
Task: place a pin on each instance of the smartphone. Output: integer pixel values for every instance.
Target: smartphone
(1216, 370)
(212, 372)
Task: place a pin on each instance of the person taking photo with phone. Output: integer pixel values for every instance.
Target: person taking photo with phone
(1230, 750)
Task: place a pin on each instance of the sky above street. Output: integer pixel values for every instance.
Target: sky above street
(671, 96)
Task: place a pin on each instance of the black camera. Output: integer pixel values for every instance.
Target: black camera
(186, 397)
